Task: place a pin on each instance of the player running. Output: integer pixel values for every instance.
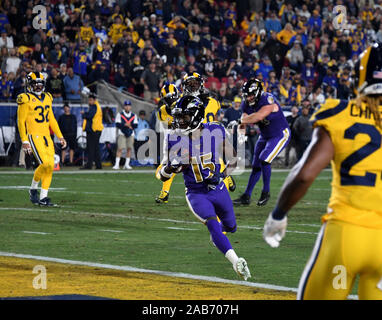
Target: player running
(348, 134)
(191, 85)
(262, 108)
(34, 118)
(195, 150)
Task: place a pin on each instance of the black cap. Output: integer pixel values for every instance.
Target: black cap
(92, 95)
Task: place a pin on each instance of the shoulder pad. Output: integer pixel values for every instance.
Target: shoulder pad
(49, 95)
(22, 98)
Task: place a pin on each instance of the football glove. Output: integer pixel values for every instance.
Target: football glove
(215, 180)
(274, 230)
(233, 124)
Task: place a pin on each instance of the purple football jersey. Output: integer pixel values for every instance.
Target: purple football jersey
(274, 124)
(202, 154)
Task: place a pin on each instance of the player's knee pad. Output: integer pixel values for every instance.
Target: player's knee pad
(213, 225)
(256, 169)
(47, 165)
(264, 163)
(229, 228)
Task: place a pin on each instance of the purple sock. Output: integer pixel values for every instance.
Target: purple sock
(218, 237)
(253, 178)
(266, 170)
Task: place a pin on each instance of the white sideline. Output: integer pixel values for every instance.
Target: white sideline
(157, 272)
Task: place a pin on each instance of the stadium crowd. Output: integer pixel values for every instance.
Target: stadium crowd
(300, 49)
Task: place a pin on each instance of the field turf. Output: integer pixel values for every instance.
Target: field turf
(111, 217)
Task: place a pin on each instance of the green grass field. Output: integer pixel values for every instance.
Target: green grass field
(109, 217)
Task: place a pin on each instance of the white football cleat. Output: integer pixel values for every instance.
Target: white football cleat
(127, 167)
(116, 167)
(241, 268)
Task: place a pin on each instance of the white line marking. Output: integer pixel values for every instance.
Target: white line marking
(150, 171)
(116, 231)
(158, 272)
(175, 228)
(122, 216)
(28, 187)
(36, 232)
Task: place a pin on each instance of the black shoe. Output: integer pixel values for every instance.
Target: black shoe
(243, 200)
(47, 203)
(33, 196)
(263, 199)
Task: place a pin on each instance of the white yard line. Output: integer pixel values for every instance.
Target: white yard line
(115, 215)
(175, 228)
(28, 187)
(36, 232)
(150, 171)
(115, 231)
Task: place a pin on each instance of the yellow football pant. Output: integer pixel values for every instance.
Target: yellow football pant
(43, 151)
(343, 251)
(166, 186)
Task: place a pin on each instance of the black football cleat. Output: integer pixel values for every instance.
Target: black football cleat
(33, 196)
(231, 183)
(244, 200)
(163, 197)
(47, 203)
(263, 199)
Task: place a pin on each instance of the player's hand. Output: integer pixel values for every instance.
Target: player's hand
(27, 147)
(274, 231)
(215, 180)
(174, 167)
(63, 143)
(232, 124)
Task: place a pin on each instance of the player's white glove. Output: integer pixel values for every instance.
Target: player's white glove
(233, 124)
(274, 231)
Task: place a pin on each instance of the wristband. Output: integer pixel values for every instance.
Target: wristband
(278, 214)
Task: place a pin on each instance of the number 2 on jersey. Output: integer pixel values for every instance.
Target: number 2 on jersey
(375, 143)
(42, 117)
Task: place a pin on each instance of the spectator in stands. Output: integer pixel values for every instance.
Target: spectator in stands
(68, 126)
(140, 132)
(135, 73)
(272, 23)
(293, 140)
(234, 112)
(92, 125)
(55, 86)
(121, 80)
(150, 80)
(126, 121)
(6, 87)
(6, 41)
(73, 86)
(12, 62)
(303, 129)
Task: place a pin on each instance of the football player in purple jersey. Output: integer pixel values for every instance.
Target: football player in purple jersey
(194, 149)
(263, 109)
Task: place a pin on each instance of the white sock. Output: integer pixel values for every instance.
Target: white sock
(231, 256)
(127, 162)
(34, 184)
(117, 161)
(43, 193)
